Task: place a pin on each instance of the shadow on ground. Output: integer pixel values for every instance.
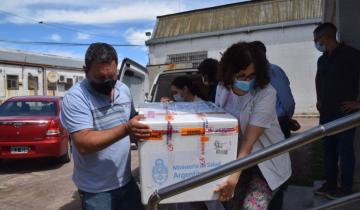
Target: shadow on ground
(10, 166)
(74, 204)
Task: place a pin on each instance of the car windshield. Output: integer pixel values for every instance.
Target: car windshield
(28, 108)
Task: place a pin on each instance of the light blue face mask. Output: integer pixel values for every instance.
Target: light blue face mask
(244, 85)
(178, 97)
(320, 47)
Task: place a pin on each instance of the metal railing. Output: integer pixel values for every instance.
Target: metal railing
(301, 139)
(339, 202)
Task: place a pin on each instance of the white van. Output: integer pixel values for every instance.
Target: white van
(136, 77)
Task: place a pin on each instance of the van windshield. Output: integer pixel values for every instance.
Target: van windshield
(162, 86)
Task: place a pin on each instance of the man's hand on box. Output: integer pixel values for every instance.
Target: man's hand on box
(227, 188)
(137, 130)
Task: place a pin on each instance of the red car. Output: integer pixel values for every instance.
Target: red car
(30, 128)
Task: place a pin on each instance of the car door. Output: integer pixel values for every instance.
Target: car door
(136, 77)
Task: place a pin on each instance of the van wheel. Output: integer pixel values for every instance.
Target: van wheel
(67, 156)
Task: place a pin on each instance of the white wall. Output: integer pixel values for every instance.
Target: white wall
(291, 48)
(23, 74)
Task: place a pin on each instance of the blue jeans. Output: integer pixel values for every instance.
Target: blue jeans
(124, 198)
(339, 147)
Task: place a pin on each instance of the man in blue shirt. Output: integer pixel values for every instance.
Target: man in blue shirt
(285, 104)
(98, 114)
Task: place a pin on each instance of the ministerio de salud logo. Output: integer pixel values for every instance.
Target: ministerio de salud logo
(159, 172)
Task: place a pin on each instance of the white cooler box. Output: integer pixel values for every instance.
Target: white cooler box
(187, 139)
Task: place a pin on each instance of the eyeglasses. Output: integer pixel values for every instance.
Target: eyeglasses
(243, 77)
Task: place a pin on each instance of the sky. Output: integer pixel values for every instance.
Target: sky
(87, 21)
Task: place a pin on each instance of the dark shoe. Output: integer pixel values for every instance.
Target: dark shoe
(325, 189)
(338, 193)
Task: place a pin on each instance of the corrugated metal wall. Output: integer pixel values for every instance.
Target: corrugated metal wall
(237, 16)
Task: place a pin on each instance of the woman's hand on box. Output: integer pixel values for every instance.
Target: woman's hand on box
(227, 188)
(137, 130)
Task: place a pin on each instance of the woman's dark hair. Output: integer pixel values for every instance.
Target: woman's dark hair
(259, 45)
(182, 81)
(237, 58)
(209, 67)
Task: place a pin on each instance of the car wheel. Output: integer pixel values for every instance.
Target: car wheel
(67, 156)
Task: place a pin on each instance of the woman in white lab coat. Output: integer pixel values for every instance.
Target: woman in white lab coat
(245, 92)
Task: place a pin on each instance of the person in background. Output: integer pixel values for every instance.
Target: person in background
(337, 83)
(208, 71)
(182, 90)
(245, 91)
(285, 103)
(99, 115)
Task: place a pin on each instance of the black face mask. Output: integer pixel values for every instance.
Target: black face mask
(104, 87)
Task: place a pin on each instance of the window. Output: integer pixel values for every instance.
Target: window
(195, 58)
(28, 108)
(79, 78)
(163, 84)
(51, 86)
(62, 78)
(69, 83)
(12, 82)
(33, 83)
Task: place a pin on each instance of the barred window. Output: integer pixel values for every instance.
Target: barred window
(33, 83)
(51, 86)
(12, 82)
(195, 58)
(69, 83)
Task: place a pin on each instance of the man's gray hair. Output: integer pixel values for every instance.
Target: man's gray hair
(100, 52)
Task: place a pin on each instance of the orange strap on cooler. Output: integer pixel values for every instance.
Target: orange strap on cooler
(204, 138)
(155, 136)
(192, 131)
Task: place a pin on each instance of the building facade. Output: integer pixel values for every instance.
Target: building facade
(25, 73)
(284, 26)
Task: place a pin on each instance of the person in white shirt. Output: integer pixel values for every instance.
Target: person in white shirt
(245, 91)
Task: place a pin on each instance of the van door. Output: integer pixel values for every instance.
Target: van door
(136, 77)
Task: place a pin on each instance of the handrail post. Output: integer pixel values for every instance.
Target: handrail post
(339, 202)
(154, 201)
